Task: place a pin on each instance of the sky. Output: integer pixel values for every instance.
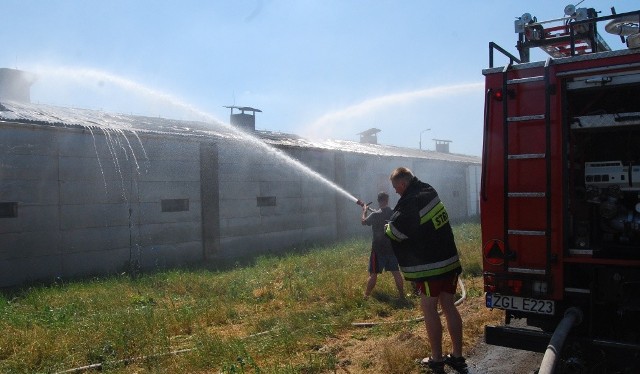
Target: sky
(315, 68)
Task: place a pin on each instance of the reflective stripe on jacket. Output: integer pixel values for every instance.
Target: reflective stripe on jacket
(421, 235)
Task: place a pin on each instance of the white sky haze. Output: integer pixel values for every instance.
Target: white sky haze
(326, 68)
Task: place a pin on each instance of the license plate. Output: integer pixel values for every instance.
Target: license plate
(522, 304)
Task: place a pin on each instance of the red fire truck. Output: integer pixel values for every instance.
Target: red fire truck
(560, 191)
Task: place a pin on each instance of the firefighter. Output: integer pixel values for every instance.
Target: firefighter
(422, 239)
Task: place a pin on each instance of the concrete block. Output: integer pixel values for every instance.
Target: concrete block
(95, 239)
(95, 142)
(170, 255)
(239, 226)
(287, 206)
(145, 213)
(20, 270)
(171, 170)
(234, 190)
(29, 244)
(239, 208)
(323, 219)
(32, 218)
(28, 140)
(169, 233)
(29, 191)
(281, 189)
(239, 246)
(93, 215)
(102, 262)
(156, 191)
(91, 192)
(95, 169)
(162, 148)
(29, 167)
(278, 223)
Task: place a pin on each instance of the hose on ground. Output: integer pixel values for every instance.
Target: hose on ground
(572, 317)
(463, 296)
(99, 366)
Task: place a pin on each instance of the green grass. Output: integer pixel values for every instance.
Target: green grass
(274, 316)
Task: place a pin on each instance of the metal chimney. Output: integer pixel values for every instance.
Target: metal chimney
(369, 136)
(15, 85)
(442, 145)
(243, 120)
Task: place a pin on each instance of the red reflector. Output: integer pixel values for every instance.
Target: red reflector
(488, 279)
(516, 286)
(498, 95)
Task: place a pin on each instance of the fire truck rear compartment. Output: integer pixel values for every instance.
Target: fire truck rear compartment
(604, 165)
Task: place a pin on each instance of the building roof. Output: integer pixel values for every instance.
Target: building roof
(48, 115)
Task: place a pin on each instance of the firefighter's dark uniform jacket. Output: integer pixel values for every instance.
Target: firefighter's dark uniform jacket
(421, 236)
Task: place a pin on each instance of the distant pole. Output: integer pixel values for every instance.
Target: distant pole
(422, 132)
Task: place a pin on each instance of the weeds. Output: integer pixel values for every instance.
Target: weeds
(282, 314)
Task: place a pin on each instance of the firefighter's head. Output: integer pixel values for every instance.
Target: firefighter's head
(400, 179)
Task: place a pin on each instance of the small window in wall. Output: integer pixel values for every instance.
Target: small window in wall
(266, 201)
(9, 210)
(175, 205)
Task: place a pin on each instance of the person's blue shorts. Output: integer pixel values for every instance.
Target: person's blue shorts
(378, 263)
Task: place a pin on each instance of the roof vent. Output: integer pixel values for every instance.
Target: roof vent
(369, 136)
(442, 145)
(243, 120)
(15, 85)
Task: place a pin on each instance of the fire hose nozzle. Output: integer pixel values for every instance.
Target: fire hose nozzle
(362, 204)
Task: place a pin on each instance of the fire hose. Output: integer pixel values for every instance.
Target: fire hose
(417, 319)
(572, 317)
(463, 296)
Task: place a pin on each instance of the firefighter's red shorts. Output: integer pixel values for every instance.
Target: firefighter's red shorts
(432, 288)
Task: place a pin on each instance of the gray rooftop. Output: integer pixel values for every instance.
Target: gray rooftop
(47, 115)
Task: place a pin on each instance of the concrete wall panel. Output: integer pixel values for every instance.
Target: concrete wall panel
(81, 143)
(281, 189)
(279, 223)
(17, 271)
(156, 191)
(32, 218)
(94, 169)
(169, 233)
(243, 190)
(93, 215)
(321, 234)
(152, 213)
(31, 140)
(29, 192)
(171, 171)
(95, 239)
(28, 167)
(95, 192)
(239, 208)
(105, 262)
(29, 244)
(239, 226)
(239, 246)
(163, 148)
(170, 255)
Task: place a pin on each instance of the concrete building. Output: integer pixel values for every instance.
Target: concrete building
(85, 192)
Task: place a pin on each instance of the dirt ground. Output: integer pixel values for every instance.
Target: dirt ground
(485, 359)
(364, 352)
